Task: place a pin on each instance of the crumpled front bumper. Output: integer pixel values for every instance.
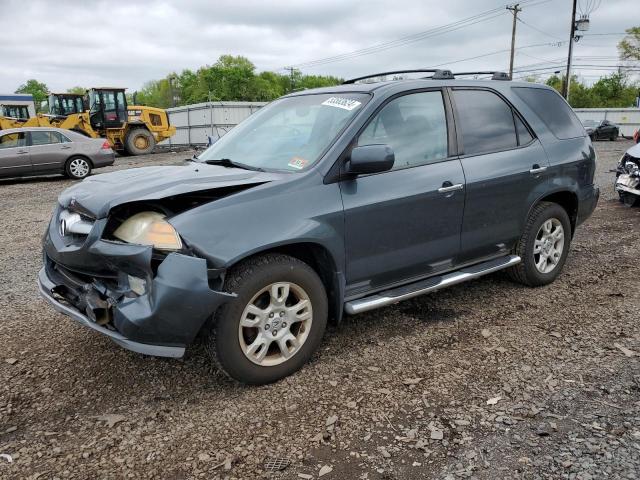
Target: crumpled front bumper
(47, 287)
(88, 281)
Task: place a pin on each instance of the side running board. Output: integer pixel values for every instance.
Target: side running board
(429, 285)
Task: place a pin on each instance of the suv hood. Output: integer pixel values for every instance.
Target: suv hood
(98, 194)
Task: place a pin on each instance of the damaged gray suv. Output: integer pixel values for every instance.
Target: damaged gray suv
(333, 200)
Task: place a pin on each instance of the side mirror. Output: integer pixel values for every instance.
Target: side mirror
(371, 159)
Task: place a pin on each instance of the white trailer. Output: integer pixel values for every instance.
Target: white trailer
(17, 105)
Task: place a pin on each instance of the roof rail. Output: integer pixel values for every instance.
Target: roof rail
(495, 75)
(438, 74)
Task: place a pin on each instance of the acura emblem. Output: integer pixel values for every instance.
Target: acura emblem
(62, 227)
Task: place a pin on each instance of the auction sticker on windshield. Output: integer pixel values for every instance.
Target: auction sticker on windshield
(344, 103)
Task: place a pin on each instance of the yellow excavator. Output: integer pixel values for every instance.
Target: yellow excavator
(103, 112)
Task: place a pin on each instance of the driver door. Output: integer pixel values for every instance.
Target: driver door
(404, 223)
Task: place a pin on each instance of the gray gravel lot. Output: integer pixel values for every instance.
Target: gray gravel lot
(483, 380)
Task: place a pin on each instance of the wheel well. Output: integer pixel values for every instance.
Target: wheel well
(321, 261)
(568, 201)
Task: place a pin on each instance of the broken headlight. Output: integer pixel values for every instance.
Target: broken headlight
(632, 169)
(149, 228)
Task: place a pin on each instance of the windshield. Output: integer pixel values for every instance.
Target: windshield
(590, 123)
(289, 134)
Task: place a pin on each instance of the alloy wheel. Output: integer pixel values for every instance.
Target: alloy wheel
(548, 245)
(79, 167)
(275, 324)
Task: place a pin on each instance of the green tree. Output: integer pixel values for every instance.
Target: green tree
(39, 91)
(615, 90)
(629, 46)
(230, 78)
(77, 89)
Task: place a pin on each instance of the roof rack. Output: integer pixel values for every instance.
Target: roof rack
(437, 74)
(495, 75)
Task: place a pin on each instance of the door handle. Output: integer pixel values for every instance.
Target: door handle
(65, 147)
(448, 187)
(536, 169)
(20, 152)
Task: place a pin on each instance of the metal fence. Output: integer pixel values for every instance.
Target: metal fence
(196, 123)
(628, 119)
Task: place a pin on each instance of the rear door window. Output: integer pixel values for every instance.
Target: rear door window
(57, 137)
(552, 110)
(524, 136)
(486, 122)
(44, 138)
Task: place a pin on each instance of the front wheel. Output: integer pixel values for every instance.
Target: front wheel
(543, 246)
(274, 324)
(77, 168)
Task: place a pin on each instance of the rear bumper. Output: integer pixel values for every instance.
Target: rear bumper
(587, 202)
(103, 159)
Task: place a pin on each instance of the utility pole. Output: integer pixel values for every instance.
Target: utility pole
(291, 70)
(515, 9)
(567, 80)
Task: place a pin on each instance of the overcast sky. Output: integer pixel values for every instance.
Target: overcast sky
(126, 43)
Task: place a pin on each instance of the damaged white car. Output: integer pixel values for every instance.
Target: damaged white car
(628, 176)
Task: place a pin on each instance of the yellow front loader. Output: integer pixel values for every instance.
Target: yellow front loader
(132, 130)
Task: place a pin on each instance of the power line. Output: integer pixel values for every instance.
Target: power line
(538, 30)
(481, 17)
(550, 44)
(399, 42)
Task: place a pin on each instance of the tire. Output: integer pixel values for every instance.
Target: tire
(77, 168)
(528, 272)
(231, 335)
(613, 136)
(139, 141)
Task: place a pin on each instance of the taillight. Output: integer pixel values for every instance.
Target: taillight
(106, 145)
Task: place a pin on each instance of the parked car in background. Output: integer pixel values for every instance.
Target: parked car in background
(601, 130)
(327, 201)
(37, 151)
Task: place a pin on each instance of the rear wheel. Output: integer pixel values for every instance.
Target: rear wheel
(613, 136)
(274, 324)
(77, 168)
(139, 141)
(543, 246)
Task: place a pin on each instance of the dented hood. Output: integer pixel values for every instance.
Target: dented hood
(98, 194)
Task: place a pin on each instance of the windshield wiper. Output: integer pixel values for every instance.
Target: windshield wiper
(227, 162)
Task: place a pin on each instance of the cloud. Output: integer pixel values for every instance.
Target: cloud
(97, 42)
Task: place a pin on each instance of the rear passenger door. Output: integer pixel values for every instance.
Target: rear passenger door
(504, 167)
(14, 156)
(49, 150)
(404, 223)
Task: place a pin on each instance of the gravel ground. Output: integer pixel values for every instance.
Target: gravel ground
(484, 380)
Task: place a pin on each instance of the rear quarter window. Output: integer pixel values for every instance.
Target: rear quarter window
(552, 110)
